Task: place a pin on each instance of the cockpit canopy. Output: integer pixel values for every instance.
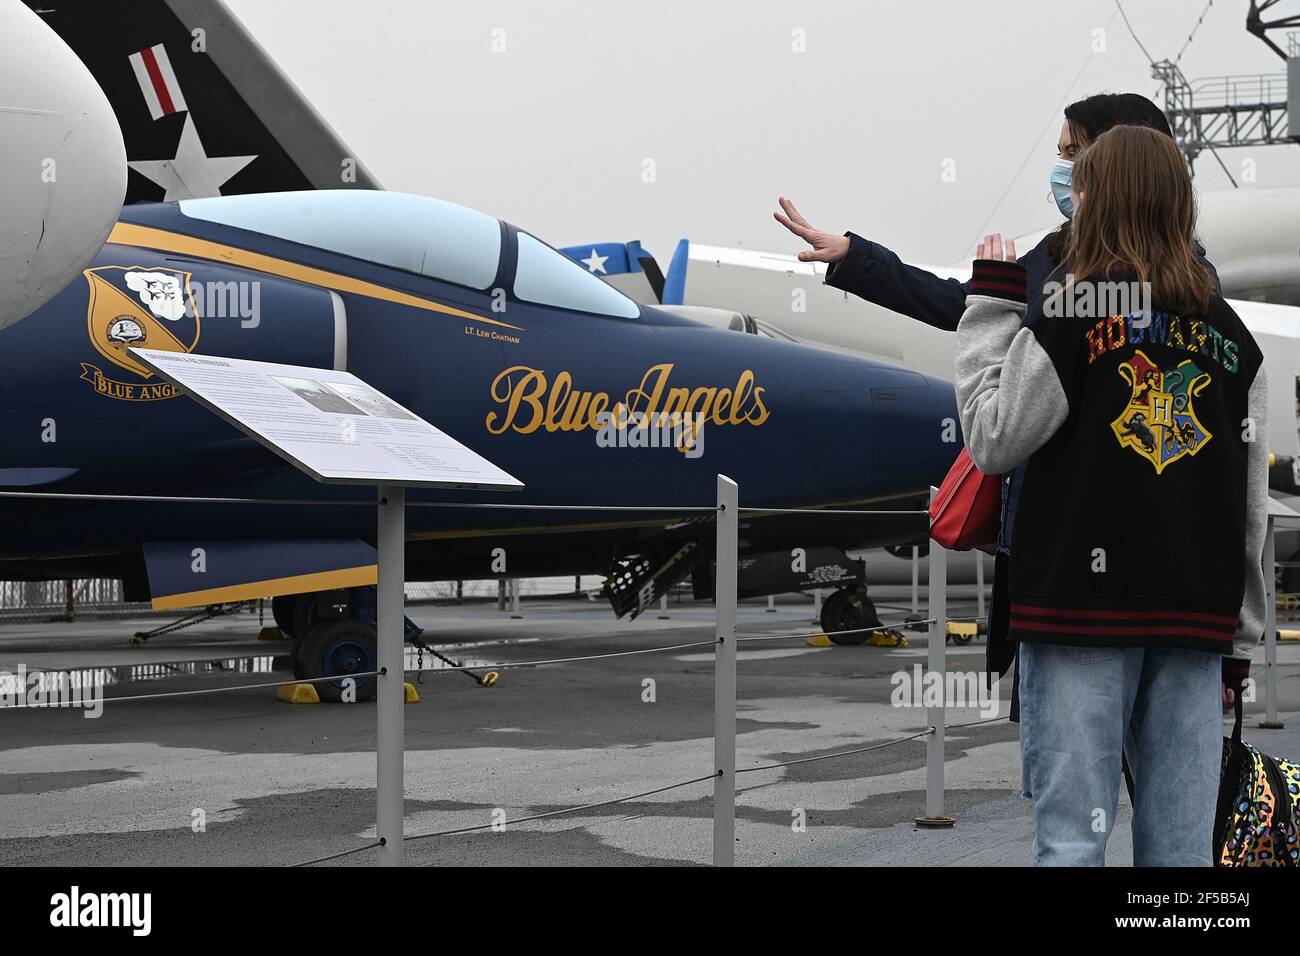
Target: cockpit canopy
(547, 277)
(416, 234)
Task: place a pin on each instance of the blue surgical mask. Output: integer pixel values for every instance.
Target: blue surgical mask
(1062, 170)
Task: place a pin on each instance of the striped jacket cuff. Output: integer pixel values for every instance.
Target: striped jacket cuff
(1235, 672)
(1000, 280)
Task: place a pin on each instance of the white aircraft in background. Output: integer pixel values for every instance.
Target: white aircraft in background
(65, 164)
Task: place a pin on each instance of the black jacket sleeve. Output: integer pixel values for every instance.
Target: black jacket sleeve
(877, 275)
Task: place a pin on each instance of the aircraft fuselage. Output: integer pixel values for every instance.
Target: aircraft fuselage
(523, 384)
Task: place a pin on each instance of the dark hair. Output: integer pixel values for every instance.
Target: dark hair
(1089, 118)
(1094, 115)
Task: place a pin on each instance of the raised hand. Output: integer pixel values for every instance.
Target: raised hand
(826, 246)
(991, 248)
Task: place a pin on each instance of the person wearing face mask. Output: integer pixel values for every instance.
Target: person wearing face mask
(1136, 575)
(1062, 171)
(871, 271)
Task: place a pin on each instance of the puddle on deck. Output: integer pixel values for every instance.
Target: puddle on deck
(86, 678)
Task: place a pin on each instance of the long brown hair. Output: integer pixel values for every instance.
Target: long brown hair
(1137, 212)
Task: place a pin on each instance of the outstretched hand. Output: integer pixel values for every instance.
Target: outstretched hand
(826, 246)
(991, 248)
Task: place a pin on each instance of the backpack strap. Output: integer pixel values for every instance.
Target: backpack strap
(1229, 785)
(1281, 798)
(1128, 778)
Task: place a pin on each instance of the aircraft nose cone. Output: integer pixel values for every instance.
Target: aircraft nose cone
(850, 429)
(66, 164)
(915, 430)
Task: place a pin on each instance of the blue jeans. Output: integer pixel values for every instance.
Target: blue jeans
(1080, 707)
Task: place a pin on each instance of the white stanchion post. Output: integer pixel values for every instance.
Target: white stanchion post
(515, 613)
(663, 607)
(771, 604)
(817, 606)
(390, 789)
(935, 664)
(724, 676)
(1270, 720)
(916, 578)
(979, 582)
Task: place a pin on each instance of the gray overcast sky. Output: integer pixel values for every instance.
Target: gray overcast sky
(552, 132)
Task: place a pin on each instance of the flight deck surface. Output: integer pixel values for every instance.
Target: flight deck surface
(278, 783)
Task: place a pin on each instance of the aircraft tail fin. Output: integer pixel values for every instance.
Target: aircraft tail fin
(625, 265)
(204, 110)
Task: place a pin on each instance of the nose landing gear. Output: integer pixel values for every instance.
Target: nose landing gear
(342, 649)
(334, 636)
(849, 609)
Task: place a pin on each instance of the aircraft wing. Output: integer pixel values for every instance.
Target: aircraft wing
(194, 573)
(203, 108)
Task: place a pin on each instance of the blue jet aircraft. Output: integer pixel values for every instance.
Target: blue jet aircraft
(476, 325)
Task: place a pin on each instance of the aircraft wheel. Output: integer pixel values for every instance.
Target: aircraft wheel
(338, 648)
(282, 611)
(848, 610)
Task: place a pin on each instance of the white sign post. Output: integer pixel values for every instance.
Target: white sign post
(339, 430)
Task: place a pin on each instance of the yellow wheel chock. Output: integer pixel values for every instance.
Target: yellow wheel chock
(889, 638)
(962, 632)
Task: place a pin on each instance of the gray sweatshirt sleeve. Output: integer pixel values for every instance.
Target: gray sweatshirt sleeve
(1009, 396)
(1250, 626)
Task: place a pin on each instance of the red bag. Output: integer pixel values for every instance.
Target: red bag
(967, 510)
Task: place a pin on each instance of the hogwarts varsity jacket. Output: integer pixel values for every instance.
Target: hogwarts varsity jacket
(1144, 505)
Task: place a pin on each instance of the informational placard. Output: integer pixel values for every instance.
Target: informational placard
(330, 424)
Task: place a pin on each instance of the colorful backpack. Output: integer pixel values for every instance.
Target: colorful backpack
(1259, 806)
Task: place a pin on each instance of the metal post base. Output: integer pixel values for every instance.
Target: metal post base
(935, 823)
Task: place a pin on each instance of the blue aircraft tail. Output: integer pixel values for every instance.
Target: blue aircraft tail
(615, 259)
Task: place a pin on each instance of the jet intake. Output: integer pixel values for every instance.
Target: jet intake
(724, 319)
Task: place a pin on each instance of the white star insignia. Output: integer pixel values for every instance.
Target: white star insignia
(193, 174)
(594, 263)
